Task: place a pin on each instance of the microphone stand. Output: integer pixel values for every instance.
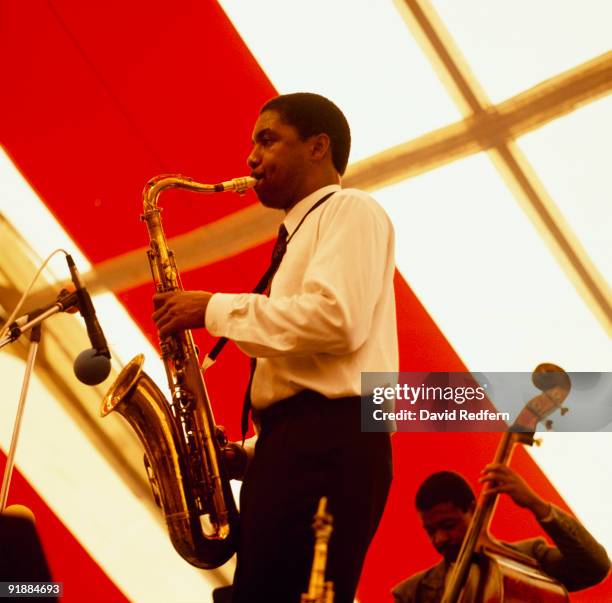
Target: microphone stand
(10, 460)
(64, 302)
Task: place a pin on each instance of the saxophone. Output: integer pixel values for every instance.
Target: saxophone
(320, 590)
(182, 444)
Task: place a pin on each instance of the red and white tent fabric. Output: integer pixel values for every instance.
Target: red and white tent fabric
(503, 246)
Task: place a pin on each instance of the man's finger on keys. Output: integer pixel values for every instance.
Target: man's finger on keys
(159, 299)
(158, 315)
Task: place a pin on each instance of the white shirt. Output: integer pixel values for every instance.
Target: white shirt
(331, 310)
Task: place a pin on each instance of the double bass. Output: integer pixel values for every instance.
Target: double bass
(505, 575)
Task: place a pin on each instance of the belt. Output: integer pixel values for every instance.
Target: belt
(302, 403)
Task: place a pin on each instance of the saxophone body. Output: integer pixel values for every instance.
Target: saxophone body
(181, 441)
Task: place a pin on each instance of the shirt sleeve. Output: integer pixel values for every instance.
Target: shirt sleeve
(333, 311)
(578, 560)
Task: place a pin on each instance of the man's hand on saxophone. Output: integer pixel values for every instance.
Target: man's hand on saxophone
(238, 457)
(179, 310)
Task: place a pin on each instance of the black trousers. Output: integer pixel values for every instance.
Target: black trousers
(308, 447)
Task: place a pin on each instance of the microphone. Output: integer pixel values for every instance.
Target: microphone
(91, 366)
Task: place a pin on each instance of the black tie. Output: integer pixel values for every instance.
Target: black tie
(263, 286)
(278, 252)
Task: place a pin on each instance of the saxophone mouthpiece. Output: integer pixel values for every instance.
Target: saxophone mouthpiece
(236, 185)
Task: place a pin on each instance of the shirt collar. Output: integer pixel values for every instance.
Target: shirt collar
(301, 208)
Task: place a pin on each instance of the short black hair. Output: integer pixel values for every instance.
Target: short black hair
(444, 487)
(312, 114)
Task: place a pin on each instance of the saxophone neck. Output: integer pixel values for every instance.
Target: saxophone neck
(156, 185)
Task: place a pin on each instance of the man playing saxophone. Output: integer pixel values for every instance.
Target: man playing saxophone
(326, 315)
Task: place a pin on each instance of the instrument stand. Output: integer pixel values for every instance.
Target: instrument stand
(35, 335)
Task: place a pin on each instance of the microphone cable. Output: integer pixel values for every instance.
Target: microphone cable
(25, 294)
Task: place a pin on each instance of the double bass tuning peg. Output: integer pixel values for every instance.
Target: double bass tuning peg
(549, 424)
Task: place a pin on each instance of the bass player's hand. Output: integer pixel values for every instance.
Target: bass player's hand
(502, 478)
